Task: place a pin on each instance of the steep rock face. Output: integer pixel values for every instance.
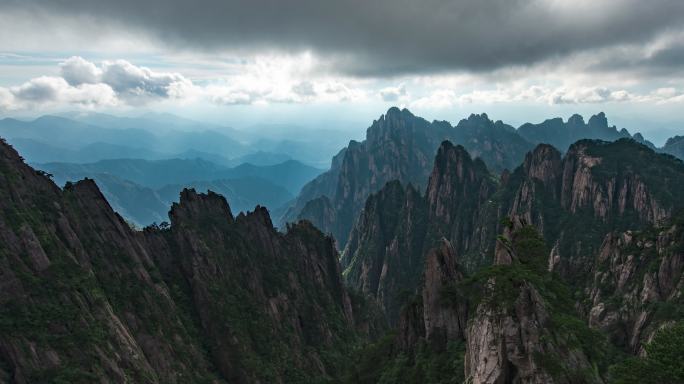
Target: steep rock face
(211, 298)
(598, 187)
(515, 333)
(246, 271)
(383, 257)
(509, 346)
(431, 318)
(401, 146)
(590, 184)
(398, 146)
(531, 195)
(320, 211)
(637, 284)
(386, 251)
(458, 199)
(81, 300)
(612, 186)
(512, 323)
(442, 322)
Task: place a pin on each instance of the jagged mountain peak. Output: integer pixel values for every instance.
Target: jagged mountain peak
(259, 215)
(576, 120)
(598, 120)
(195, 206)
(394, 113)
(447, 148)
(454, 160)
(543, 163)
(674, 140)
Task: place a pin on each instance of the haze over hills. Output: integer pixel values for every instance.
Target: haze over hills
(581, 252)
(89, 137)
(118, 144)
(341, 192)
(143, 190)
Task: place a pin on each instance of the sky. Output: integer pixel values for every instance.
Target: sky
(344, 62)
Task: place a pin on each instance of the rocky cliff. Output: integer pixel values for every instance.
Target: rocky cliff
(212, 298)
(587, 262)
(399, 146)
(596, 188)
(383, 257)
(637, 286)
(385, 254)
(459, 204)
(509, 323)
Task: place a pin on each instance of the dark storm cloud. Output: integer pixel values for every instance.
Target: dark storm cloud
(387, 37)
(666, 60)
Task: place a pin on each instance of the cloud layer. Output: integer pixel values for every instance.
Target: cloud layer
(86, 84)
(389, 37)
(120, 83)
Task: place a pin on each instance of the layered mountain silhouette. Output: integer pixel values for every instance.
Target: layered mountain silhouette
(545, 274)
(212, 298)
(400, 146)
(143, 190)
(471, 254)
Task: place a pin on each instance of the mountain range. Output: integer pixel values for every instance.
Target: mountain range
(88, 137)
(143, 190)
(469, 253)
(400, 146)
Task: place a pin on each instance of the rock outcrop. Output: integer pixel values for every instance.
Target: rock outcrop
(212, 298)
(386, 251)
(637, 284)
(459, 203)
(597, 188)
(559, 220)
(399, 146)
(383, 257)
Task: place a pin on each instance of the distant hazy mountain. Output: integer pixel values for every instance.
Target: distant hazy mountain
(153, 122)
(262, 158)
(243, 194)
(143, 190)
(561, 134)
(137, 204)
(291, 175)
(153, 174)
(35, 151)
(144, 205)
(675, 146)
(89, 137)
(73, 135)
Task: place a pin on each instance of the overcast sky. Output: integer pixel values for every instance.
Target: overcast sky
(347, 60)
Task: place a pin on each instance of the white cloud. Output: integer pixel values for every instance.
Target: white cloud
(83, 83)
(515, 93)
(129, 80)
(438, 99)
(54, 91)
(274, 79)
(393, 94)
(76, 70)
